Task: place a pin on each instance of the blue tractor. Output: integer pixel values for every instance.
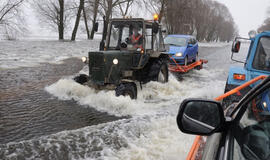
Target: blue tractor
(257, 63)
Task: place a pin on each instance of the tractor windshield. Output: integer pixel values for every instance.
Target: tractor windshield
(262, 56)
(126, 35)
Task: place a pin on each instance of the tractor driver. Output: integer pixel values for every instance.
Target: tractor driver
(136, 38)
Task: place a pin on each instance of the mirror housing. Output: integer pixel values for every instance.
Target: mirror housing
(236, 46)
(200, 117)
(155, 27)
(96, 27)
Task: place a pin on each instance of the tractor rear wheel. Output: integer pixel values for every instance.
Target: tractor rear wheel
(159, 71)
(81, 79)
(127, 89)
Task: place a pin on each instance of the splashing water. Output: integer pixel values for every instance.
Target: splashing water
(150, 132)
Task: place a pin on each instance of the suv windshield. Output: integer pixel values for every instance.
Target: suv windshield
(262, 56)
(126, 35)
(176, 41)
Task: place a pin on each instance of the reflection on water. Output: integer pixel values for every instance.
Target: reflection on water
(28, 111)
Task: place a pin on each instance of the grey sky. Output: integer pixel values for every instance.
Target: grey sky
(247, 14)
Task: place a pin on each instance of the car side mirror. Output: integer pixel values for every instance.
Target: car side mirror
(96, 27)
(200, 117)
(190, 45)
(236, 46)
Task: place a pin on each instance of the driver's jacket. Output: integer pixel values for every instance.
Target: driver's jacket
(136, 41)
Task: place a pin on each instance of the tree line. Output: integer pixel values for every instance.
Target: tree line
(206, 19)
(266, 24)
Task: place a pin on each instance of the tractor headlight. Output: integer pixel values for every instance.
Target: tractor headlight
(84, 59)
(115, 61)
(179, 54)
(252, 34)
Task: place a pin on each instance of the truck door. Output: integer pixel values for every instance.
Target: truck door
(261, 60)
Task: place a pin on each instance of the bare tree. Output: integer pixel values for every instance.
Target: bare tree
(55, 14)
(124, 8)
(80, 9)
(266, 24)
(11, 19)
(95, 7)
(156, 7)
(86, 23)
(210, 20)
(107, 9)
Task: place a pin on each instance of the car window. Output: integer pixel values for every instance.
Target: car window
(252, 136)
(176, 41)
(193, 41)
(262, 56)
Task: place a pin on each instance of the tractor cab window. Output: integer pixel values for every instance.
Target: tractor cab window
(158, 42)
(125, 36)
(148, 38)
(262, 56)
(252, 136)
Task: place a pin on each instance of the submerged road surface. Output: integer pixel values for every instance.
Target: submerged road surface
(44, 114)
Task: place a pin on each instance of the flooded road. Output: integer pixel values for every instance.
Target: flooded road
(44, 114)
(28, 111)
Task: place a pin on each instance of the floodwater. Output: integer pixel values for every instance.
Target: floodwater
(44, 114)
(28, 111)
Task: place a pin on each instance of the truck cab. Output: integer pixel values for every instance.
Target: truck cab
(257, 63)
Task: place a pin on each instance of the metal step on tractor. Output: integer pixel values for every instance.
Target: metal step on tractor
(133, 53)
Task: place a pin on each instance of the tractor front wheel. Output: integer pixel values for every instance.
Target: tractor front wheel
(81, 79)
(127, 89)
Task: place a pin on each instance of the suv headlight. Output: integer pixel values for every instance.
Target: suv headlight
(179, 54)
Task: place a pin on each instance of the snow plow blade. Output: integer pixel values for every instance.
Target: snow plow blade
(196, 151)
(183, 69)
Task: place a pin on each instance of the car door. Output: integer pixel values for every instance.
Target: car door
(194, 47)
(249, 134)
(189, 50)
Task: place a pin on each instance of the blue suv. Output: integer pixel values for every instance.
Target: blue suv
(182, 48)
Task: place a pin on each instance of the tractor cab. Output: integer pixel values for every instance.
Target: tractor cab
(135, 36)
(133, 51)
